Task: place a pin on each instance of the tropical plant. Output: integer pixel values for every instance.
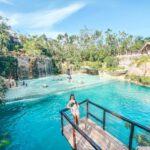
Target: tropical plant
(142, 140)
(89, 45)
(4, 140)
(111, 61)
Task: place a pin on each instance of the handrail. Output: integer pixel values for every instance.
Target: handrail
(132, 123)
(66, 109)
(81, 132)
(121, 117)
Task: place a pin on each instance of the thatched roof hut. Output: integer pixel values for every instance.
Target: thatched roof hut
(145, 48)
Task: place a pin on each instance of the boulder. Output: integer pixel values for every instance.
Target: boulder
(89, 70)
(118, 72)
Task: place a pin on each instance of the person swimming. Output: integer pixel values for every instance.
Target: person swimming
(74, 108)
(69, 74)
(45, 86)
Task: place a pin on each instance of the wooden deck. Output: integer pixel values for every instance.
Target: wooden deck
(96, 133)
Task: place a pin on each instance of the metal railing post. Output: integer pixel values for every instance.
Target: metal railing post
(131, 136)
(87, 109)
(62, 124)
(74, 139)
(104, 119)
(81, 132)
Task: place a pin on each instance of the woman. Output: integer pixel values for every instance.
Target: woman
(74, 108)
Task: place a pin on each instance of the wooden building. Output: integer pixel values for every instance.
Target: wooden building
(146, 48)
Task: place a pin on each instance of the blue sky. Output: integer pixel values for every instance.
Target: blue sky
(52, 17)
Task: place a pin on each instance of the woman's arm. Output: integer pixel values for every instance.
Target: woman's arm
(78, 105)
(68, 105)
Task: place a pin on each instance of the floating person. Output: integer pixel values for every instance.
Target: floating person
(69, 74)
(45, 86)
(10, 85)
(74, 108)
(16, 84)
(60, 79)
(23, 83)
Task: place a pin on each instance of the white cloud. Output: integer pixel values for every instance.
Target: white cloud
(49, 18)
(42, 19)
(6, 2)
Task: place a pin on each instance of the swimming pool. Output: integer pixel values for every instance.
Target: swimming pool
(54, 84)
(35, 123)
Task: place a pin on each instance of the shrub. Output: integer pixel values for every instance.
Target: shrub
(141, 79)
(145, 80)
(4, 140)
(142, 140)
(141, 60)
(8, 66)
(95, 65)
(111, 61)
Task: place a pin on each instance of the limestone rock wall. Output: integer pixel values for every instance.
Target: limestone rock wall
(142, 70)
(33, 67)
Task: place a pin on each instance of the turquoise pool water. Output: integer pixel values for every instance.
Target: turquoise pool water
(35, 123)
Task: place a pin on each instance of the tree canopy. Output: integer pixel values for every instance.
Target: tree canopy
(88, 45)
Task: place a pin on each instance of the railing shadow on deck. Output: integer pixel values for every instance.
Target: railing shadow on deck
(132, 124)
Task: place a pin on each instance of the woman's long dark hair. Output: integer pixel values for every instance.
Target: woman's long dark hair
(72, 95)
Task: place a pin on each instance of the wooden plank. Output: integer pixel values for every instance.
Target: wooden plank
(96, 133)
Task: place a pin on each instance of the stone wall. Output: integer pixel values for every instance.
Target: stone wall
(33, 67)
(25, 67)
(142, 70)
(126, 61)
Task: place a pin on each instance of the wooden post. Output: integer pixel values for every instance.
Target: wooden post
(62, 124)
(74, 134)
(87, 109)
(131, 136)
(74, 139)
(104, 119)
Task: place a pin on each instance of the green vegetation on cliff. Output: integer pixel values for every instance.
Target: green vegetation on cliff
(8, 66)
(96, 49)
(89, 46)
(140, 79)
(141, 60)
(2, 89)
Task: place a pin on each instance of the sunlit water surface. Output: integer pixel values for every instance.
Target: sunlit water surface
(54, 84)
